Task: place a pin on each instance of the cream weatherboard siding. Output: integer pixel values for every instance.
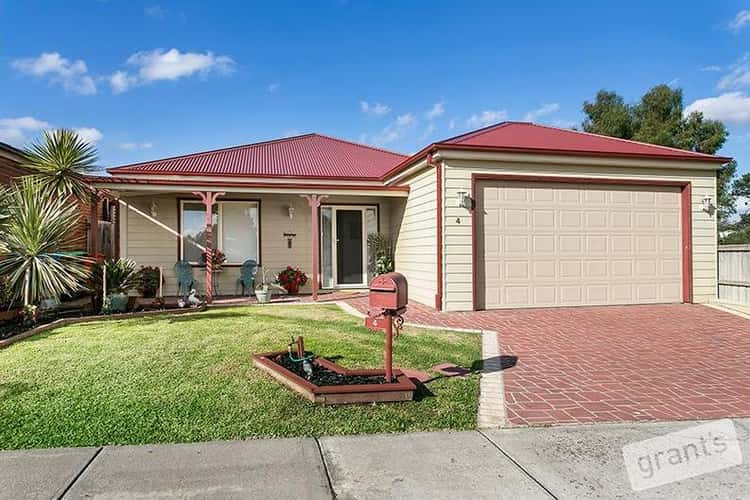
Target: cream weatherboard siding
(457, 250)
(415, 236)
(153, 241)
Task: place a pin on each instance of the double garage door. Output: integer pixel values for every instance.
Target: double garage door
(543, 244)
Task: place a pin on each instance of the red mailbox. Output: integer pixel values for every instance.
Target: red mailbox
(389, 291)
(389, 294)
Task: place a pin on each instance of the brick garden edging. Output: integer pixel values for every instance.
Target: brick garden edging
(89, 319)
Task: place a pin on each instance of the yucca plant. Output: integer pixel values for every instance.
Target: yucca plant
(60, 162)
(34, 238)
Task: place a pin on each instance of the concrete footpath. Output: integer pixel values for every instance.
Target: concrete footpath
(583, 461)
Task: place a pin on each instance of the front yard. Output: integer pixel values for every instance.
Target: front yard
(190, 378)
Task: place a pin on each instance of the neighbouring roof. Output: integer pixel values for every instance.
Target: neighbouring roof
(303, 156)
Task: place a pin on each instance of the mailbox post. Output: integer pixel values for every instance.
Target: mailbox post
(389, 295)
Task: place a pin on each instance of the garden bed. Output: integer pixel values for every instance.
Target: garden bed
(14, 331)
(334, 384)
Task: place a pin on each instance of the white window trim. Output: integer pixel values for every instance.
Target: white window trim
(218, 228)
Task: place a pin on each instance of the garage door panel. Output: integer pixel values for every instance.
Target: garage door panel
(547, 244)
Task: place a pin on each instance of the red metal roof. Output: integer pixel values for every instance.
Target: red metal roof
(524, 136)
(322, 157)
(304, 156)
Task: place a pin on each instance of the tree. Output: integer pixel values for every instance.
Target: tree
(658, 118)
(60, 162)
(725, 197)
(738, 231)
(608, 115)
(34, 239)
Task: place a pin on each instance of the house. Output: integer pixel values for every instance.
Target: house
(11, 169)
(10, 164)
(511, 215)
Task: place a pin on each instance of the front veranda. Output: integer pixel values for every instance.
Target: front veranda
(323, 232)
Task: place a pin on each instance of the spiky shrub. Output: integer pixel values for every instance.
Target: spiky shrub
(381, 253)
(34, 239)
(59, 163)
(121, 275)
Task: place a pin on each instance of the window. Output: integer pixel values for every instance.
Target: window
(235, 230)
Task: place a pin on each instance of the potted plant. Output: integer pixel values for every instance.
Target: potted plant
(147, 284)
(291, 279)
(121, 278)
(263, 286)
(218, 258)
(380, 250)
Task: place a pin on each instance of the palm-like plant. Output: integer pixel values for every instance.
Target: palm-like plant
(35, 236)
(59, 163)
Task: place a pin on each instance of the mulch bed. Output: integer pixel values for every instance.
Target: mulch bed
(323, 376)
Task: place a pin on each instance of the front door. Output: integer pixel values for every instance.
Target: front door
(349, 247)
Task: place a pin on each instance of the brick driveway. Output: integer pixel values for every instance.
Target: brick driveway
(610, 364)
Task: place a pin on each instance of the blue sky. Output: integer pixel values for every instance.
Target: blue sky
(153, 79)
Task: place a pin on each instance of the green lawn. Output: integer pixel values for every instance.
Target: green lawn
(190, 378)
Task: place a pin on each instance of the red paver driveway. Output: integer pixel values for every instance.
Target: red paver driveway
(609, 364)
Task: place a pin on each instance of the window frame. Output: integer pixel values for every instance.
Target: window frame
(218, 229)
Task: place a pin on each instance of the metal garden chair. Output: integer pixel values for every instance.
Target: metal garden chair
(247, 275)
(185, 281)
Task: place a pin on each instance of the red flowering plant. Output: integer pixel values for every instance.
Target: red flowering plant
(292, 279)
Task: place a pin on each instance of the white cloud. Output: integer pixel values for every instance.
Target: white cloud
(292, 132)
(14, 130)
(435, 111)
(160, 64)
(740, 20)
(72, 76)
(394, 131)
(739, 76)
(732, 107)
(172, 64)
(544, 110)
(374, 109)
(452, 123)
(121, 81)
(486, 117)
(428, 131)
(712, 68)
(563, 123)
(130, 146)
(17, 130)
(406, 120)
(156, 11)
(89, 134)
(273, 87)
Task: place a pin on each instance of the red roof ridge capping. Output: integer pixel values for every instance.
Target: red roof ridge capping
(591, 145)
